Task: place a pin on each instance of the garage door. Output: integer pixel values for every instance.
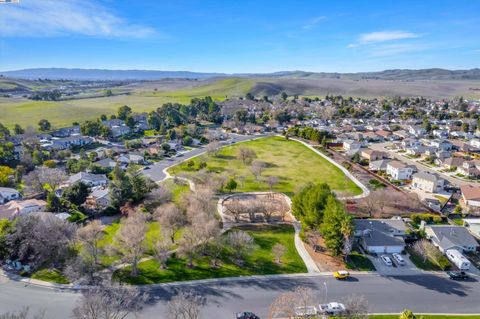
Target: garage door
(385, 249)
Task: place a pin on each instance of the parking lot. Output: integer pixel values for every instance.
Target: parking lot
(395, 269)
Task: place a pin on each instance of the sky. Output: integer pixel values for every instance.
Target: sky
(246, 36)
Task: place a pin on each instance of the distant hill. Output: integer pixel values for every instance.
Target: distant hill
(98, 74)
(104, 75)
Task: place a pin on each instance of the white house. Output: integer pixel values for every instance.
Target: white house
(7, 194)
(88, 179)
(471, 195)
(349, 145)
(428, 182)
(399, 171)
(447, 237)
(473, 226)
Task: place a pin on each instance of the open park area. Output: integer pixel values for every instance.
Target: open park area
(272, 163)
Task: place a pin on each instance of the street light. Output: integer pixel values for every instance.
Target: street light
(326, 292)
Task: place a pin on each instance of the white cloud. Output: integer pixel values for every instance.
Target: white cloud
(352, 46)
(383, 36)
(313, 22)
(66, 17)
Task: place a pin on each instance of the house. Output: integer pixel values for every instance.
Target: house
(384, 134)
(433, 203)
(372, 155)
(349, 145)
(88, 179)
(441, 144)
(452, 162)
(380, 235)
(469, 169)
(380, 165)
(471, 195)
(98, 199)
(417, 131)
(447, 237)
(106, 163)
(473, 226)
(428, 182)
(7, 194)
(399, 171)
(131, 158)
(14, 208)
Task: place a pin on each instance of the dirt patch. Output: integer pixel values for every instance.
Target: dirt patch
(324, 259)
(255, 208)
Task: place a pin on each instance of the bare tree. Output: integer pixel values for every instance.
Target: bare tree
(185, 305)
(287, 303)
(43, 179)
(89, 238)
(278, 251)
(160, 195)
(171, 218)
(246, 154)
(257, 168)
(130, 239)
(188, 246)
(241, 243)
(428, 251)
(22, 314)
(271, 182)
(109, 302)
(161, 251)
(213, 148)
(235, 207)
(41, 240)
(356, 307)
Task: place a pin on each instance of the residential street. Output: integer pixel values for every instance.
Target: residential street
(421, 293)
(155, 171)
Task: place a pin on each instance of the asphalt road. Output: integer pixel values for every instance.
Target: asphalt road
(428, 293)
(155, 171)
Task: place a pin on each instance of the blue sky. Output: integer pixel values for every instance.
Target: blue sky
(240, 36)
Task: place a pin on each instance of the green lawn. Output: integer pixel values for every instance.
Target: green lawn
(260, 262)
(426, 265)
(50, 275)
(293, 163)
(357, 261)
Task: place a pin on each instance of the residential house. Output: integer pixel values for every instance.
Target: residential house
(350, 145)
(452, 163)
(386, 135)
(441, 144)
(473, 226)
(428, 182)
(469, 169)
(447, 237)
(88, 179)
(14, 208)
(372, 155)
(380, 235)
(471, 195)
(98, 199)
(131, 158)
(380, 165)
(399, 171)
(417, 131)
(7, 194)
(106, 163)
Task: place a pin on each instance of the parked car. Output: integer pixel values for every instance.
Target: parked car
(306, 312)
(399, 259)
(332, 308)
(246, 315)
(458, 275)
(387, 260)
(341, 274)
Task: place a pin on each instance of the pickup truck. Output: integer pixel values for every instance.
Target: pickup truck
(458, 275)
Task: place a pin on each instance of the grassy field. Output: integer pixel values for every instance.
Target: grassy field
(62, 113)
(260, 262)
(293, 163)
(50, 276)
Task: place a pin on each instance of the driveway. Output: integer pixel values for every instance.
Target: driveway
(395, 270)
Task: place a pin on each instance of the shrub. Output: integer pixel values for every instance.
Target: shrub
(428, 218)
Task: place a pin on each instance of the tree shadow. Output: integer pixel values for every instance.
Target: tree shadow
(435, 283)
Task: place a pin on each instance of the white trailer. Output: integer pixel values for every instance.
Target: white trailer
(458, 259)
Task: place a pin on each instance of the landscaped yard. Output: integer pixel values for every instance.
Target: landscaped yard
(260, 262)
(428, 265)
(293, 163)
(50, 276)
(358, 261)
